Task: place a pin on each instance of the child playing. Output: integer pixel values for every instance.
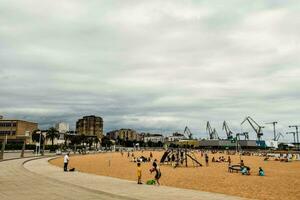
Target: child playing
(261, 172)
(139, 173)
(156, 169)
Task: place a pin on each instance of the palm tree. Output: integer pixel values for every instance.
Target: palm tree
(52, 133)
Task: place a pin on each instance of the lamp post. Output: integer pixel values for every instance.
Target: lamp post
(3, 148)
(38, 144)
(24, 143)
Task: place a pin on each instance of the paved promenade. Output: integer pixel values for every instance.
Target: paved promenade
(37, 179)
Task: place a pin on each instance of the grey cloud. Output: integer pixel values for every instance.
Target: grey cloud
(152, 66)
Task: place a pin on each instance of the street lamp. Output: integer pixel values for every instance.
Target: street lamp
(39, 144)
(3, 148)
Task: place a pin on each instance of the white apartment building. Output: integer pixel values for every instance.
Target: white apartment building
(62, 127)
(154, 138)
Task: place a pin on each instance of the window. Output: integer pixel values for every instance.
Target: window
(8, 124)
(4, 133)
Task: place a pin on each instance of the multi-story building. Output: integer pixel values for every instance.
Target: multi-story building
(62, 127)
(154, 138)
(124, 134)
(90, 126)
(17, 130)
(175, 137)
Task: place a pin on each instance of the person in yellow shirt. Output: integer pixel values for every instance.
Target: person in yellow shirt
(139, 173)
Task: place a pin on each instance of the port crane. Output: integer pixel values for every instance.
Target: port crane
(188, 132)
(245, 134)
(213, 135)
(276, 136)
(256, 127)
(294, 135)
(228, 132)
(297, 134)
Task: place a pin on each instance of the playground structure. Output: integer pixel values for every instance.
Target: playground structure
(179, 157)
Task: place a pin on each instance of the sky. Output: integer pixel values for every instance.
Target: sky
(154, 66)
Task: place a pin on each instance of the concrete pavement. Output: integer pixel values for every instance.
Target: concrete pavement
(17, 183)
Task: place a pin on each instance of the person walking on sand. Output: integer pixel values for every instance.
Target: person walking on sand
(229, 161)
(66, 162)
(206, 160)
(139, 173)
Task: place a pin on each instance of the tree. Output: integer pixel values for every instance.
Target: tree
(76, 139)
(36, 136)
(105, 141)
(52, 133)
(67, 138)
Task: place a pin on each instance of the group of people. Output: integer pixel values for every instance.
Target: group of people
(221, 159)
(155, 168)
(246, 170)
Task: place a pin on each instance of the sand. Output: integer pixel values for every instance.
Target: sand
(282, 180)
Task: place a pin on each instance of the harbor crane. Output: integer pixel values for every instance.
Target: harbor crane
(213, 135)
(245, 134)
(256, 127)
(278, 136)
(294, 135)
(229, 133)
(188, 132)
(274, 130)
(297, 134)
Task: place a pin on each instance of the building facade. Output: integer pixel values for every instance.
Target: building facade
(124, 134)
(62, 127)
(90, 126)
(16, 130)
(175, 137)
(154, 138)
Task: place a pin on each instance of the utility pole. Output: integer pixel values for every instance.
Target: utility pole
(2, 150)
(297, 133)
(274, 129)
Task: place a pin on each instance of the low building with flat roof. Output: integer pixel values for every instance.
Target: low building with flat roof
(16, 131)
(124, 134)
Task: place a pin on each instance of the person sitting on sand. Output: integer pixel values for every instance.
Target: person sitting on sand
(266, 158)
(245, 171)
(139, 173)
(213, 159)
(261, 172)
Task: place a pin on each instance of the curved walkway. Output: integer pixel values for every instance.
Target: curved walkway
(37, 179)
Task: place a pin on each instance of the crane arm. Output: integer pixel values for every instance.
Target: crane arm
(249, 121)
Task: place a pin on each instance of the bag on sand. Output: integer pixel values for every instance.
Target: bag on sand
(151, 182)
(72, 170)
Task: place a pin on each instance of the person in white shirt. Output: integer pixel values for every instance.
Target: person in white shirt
(66, 162)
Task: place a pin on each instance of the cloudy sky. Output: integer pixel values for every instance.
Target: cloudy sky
(151, 65)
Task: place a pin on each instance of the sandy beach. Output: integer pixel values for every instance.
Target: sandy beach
(282, 180)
